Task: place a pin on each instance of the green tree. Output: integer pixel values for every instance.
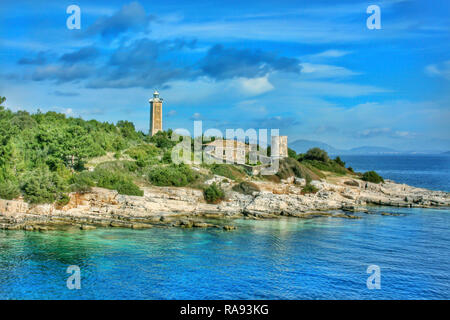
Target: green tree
(339, 161)
(315, 154)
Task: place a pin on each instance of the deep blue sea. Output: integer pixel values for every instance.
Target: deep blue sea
(321, 258)
(426, 171)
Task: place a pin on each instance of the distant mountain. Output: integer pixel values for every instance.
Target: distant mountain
(372, 150)
(448, 152)
(301, 146)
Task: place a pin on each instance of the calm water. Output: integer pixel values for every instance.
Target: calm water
(426, 171)
(323, 258)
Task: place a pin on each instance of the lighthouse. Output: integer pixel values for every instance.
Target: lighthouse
(155, 113)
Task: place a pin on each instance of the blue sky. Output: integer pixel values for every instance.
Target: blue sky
(309, 68)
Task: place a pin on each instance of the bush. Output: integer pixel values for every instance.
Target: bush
(350, 169)
(315, 154)
(167, 157)
(9, 190)
(213, 193)
(129, 188)
(143, 153)
(173, 175)
(292, 154)
(289, 167)
(309, 188)
(162, 139)
(42, 186)
(339, 161)
(116, 181)
(372, 176)
(81, 182)
(246, 187)
(62, 201)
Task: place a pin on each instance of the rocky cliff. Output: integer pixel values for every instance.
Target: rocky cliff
(184, 207)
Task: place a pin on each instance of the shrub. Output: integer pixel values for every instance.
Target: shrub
(292, 154)
(9, 190)
(315, 154)
(339, 161)
(63, 200)
(173, 175)
(129, 188)
(167, 157)
(213, 193)
(309, 188)
(143, 153)
(350, 169)
(81, 182)
(289, 167)
(116, 181)
(372, 176)
(162, 139)
(246, 187)
(42, 186)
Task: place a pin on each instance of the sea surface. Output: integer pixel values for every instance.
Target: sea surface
(320, 258)
(425, 171)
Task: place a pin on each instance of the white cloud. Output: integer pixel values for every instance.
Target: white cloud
(196, 116)
(439, 70)
(325, 71)
(255, 86)
(332, 53)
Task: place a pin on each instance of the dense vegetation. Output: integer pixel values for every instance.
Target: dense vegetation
(44, 156)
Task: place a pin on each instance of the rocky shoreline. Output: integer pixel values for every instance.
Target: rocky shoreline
(186, 208)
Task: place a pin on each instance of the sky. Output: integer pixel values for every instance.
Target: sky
(312, 69)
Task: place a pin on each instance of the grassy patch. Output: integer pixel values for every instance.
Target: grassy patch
(227, 170)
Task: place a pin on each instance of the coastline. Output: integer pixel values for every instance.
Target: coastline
(337, 197)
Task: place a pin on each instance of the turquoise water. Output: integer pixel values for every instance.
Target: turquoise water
(321, 258)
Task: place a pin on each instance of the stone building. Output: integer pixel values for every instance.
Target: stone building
(279, 147)
(230, 150)
(155, 114)
(238, 152)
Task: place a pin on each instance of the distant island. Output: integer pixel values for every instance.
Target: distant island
(303, 145)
